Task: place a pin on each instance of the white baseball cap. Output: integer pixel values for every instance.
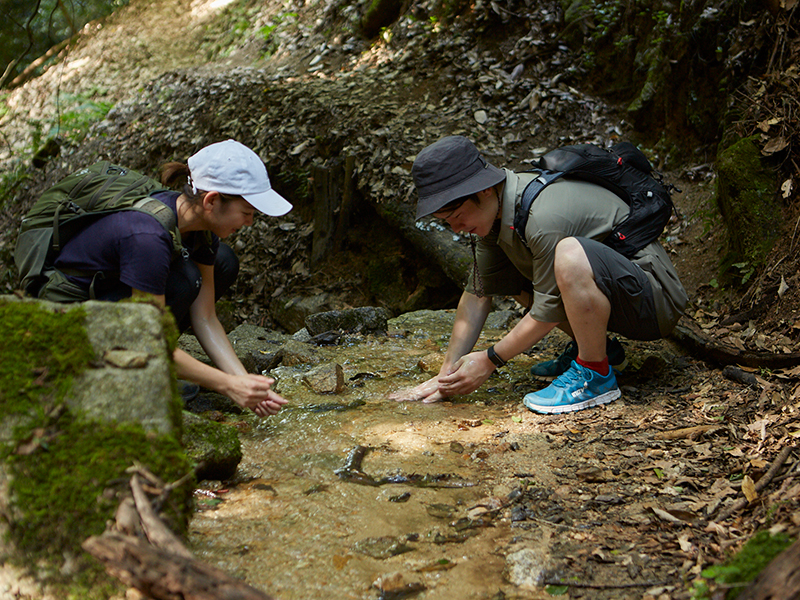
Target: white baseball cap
(232, 168)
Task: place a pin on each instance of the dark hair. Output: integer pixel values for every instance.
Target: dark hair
(175, 175)
(455, 204)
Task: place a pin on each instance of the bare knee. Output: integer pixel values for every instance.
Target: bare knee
(570, 262)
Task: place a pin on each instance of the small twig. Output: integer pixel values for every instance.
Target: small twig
(141, 470)
(762, 483)
(604, 586)
(687, 432)
(794, 234)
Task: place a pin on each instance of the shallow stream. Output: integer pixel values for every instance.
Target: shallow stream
(423, 509)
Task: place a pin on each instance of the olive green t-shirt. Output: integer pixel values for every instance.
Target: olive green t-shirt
(565, 208)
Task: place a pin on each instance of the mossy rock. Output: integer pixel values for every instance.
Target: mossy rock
(213, 447)
(67, 445)
(747, 199)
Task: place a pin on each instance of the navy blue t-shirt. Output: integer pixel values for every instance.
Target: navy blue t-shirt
(135, 245)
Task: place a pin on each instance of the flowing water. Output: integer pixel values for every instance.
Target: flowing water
(422, 514)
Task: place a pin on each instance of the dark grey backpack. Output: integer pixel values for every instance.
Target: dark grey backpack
(623, 170)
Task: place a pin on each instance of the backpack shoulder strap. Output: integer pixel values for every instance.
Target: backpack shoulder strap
(164, 215)
(529, 194)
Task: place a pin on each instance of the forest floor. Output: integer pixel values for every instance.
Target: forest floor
(690, 435)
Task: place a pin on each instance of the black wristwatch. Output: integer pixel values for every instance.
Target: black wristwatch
(496, 360)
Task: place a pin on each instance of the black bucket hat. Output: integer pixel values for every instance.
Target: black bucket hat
(449, 169)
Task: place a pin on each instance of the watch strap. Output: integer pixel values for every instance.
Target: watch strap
(493, 356)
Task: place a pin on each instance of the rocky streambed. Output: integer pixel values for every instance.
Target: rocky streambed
(347, 494)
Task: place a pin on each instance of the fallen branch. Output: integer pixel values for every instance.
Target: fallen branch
(159, 535)
(163, 569)
(163, 575)
(31, 68)
(688, 335)
(604, 586)
(762, 483)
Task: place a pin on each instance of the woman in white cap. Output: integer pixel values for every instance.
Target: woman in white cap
(226, 183)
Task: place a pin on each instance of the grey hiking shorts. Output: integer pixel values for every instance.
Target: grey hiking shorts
(625, 284)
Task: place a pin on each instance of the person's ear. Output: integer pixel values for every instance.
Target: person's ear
(486, 194)
(210, 199)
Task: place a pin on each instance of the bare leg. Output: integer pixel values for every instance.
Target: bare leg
(587, 308)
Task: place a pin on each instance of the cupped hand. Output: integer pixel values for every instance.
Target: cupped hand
(426, 392)
(255, 392)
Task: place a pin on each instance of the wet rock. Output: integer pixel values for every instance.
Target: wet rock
(395, 586)
(291, 315)
(325, 379)
(294, 353)
(382, 547)
(207, 402)
(500, 319)
(214, 447)
(440, 511)
(526, 567)
(366, 319)
(256, 347)
(431, 363)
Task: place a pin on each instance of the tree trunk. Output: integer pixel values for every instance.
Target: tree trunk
(437, 243)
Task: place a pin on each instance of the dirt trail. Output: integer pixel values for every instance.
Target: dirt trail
(110, 60)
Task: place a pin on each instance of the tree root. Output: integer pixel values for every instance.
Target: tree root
(688, 335)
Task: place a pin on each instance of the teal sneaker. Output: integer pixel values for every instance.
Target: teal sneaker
(551, 369)
(576, 389)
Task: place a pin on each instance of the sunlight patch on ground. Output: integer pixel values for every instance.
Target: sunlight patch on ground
(203, 8)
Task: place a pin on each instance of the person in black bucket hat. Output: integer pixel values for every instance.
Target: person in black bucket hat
(564, 275)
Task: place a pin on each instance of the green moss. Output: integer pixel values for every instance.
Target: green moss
(67, 472)
(41, 352)
(747, 202)
(68, 482)
(214, 444)
(743, 568)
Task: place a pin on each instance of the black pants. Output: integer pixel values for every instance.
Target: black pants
(183, 284)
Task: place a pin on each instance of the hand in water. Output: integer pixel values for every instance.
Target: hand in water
(426, 392)
(468, 374)
(271, 406)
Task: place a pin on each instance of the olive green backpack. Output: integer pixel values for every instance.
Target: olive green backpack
(69, 206)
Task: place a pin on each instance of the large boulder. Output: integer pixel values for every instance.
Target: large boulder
(86, 394)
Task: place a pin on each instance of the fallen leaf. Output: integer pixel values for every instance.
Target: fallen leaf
(782, 288)
(787, 188)
(665, 516)
(776, 144)
(749, 489)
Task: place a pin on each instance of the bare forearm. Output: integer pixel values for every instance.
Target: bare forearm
(525, 334)
(470, 318)
(191, 369)
(217, 346)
